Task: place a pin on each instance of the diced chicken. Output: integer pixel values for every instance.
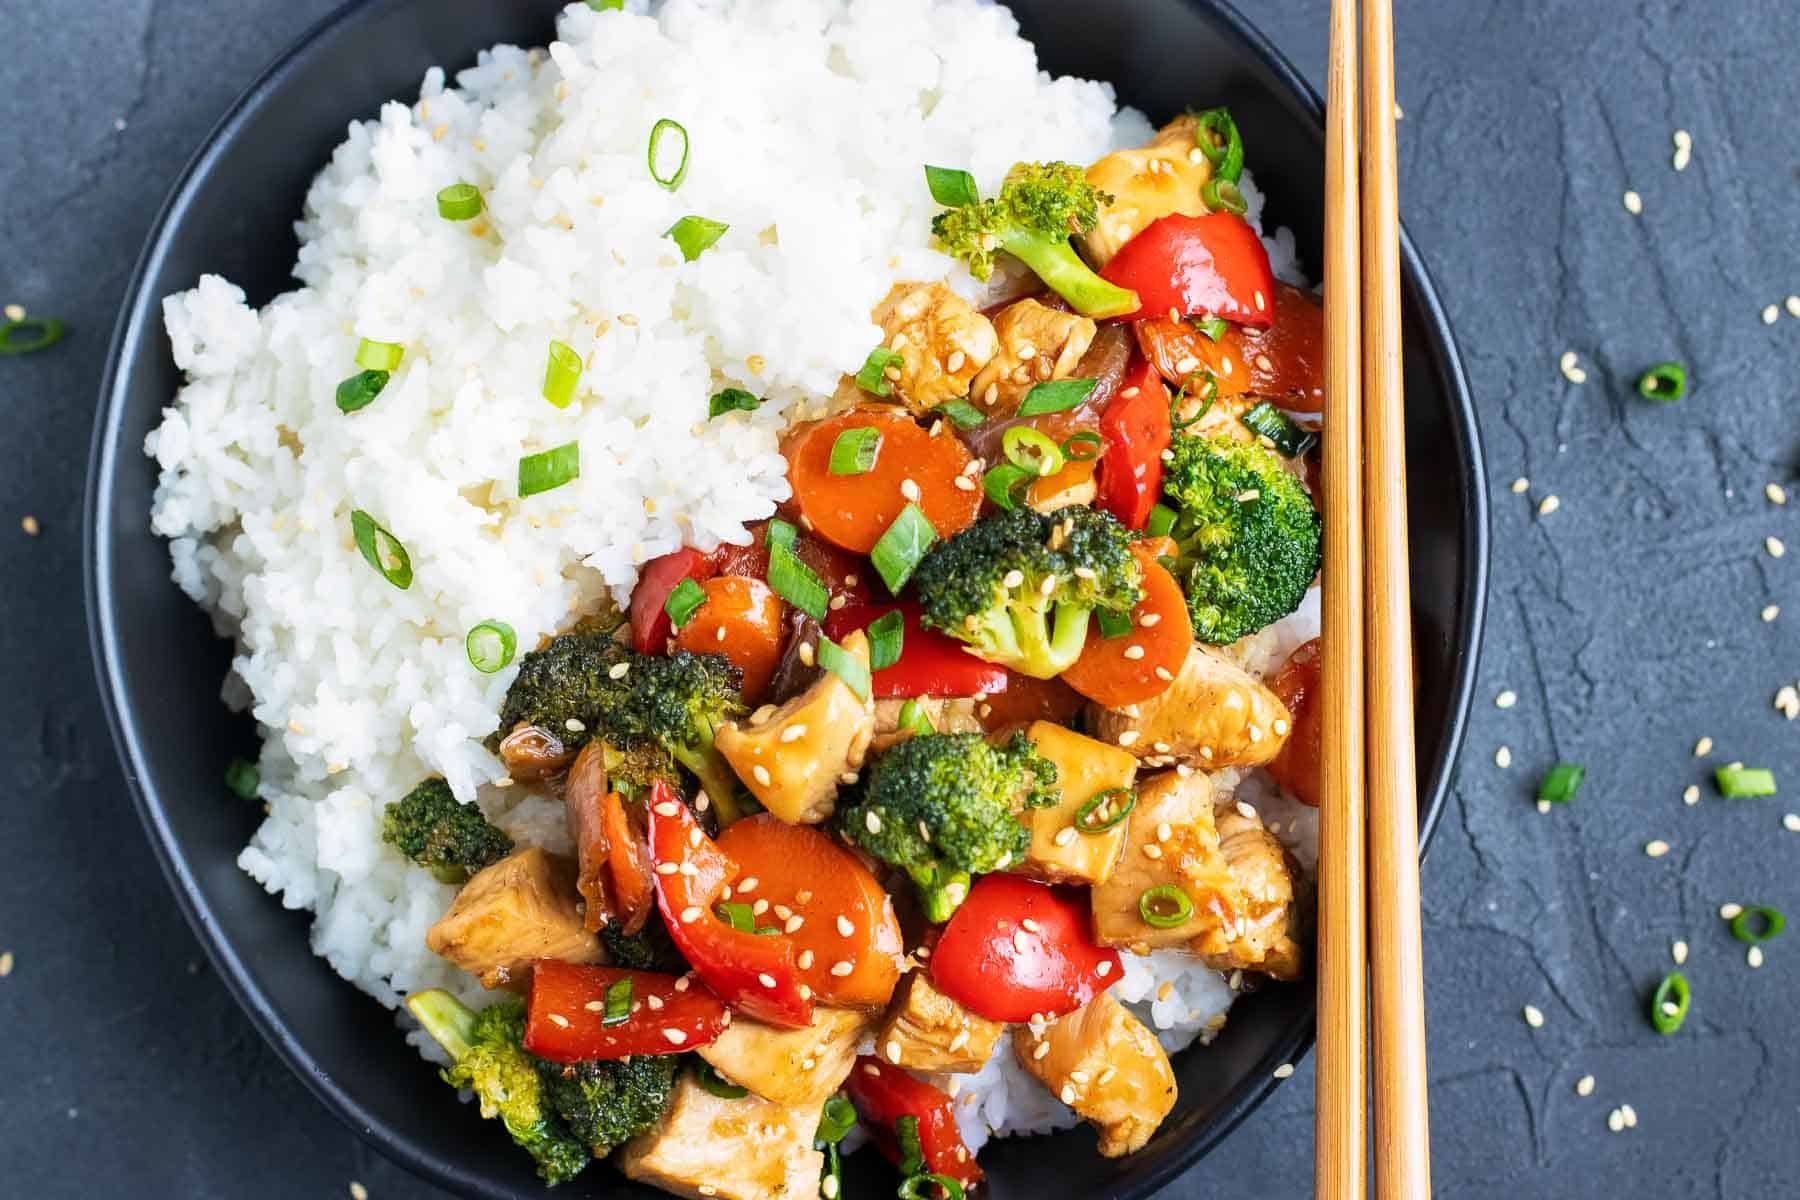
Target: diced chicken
(1148, 183)
(1061, 853)
(790, 1066)
(947, 715)
(1261, 939)
(1214, 715)
(521, 909)
(743, 1149)
(793, 762)
(926, 1030)
(1170, 842)
(1037, 343)
(1105, 1065)
(941, 339)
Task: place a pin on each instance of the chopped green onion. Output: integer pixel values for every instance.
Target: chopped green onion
(490, 646)
(381, 550)
(854, 451)
(780, 534)
(618, 1003)
(1084, 445)
(1665, 382)
(1561, 783)
(1112, 624)
(929, 1186)
(1222, 195)
(1265, 420)
(1768, 924)
(549, 469)
(1034, 451)
(561, 373)
(607, 5)
(831, 1175)
(1164, 906)
(740, 917)
(732, 400)
(671, 182)
(887, 636)
(951, 187)
(1207, 394)
(1002, 482)
(684, 601)
(378, 356)
(896, 555)
(1219, 140)
(872, 378)
(459, 202)
(962, 414)
(1212, 327)
(914, 718)
(794, 581)
(1058, 395)
(845, 665)
(1738, 782)
(1162, 519)
(1098, 815)
(30, 334)
(359, 391)
(838, 1119)
(695, 234)
(241, 777)
(1669, 1006)
(912, 1153)
(717, 1085)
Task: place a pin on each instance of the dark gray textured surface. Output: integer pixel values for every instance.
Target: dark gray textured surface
(1627, 621)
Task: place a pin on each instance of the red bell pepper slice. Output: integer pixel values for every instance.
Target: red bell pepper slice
(754, 975)
(1212, 265)
(930, 663)
(565, 1019)
(883, 1094)
(1136, 428)
(1016, 947)
(650, 625)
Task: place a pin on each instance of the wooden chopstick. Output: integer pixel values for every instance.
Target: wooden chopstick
(1340, 1162)
(1402, 1123)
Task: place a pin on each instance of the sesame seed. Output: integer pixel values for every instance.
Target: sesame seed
(747, 886)
(1775, 492)
(871, 821)
(1793, 306)
(959, 1041)
(676, 1037)
(16, 312)
(842, 967)
(1133, 652)
(1151, 850)
(845, 926)
(667, 808)
(910, 490)
(1280, 727)
(654, 1002)
(1187, 366)
(595, 1006)
(805, 961)
(1049, 585)
(963, 483)
(1067, 1095)
(892, 1050)
(1678, 951)
(1503, 757)
(760, 773)
(690, 914)
(1104, 969)
(1657, 848)
(1634, 203)
(1042, 1049)
(695, 837)
(1584, 1086)
(1284, 1070)
(667, 868)
(1261, 302)
(783, 911)
(1534, 1016)
(560, 1021)
(794, 733)
(1770, 314)
(573, 726)
(793, 923)
(1690, 795)
(1020, 942)
(1128, 737)
(767, 981)
(1548, 505)
(955, 362)
(1703, 747)
(1754, 956)
(1521, 485)
(806, 653)
(1543, 806)
(1570, 365)
(1729, 911)
(1244, 810)
(1770, 612)
(1791, 822)
(1615, 1121)
(29, 524)
(1012, 579)
(1774, 546)
(828, 1187)
(1506, 699)
(1064, 836)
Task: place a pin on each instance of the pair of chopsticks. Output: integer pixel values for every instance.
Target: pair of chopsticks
(1370, 977)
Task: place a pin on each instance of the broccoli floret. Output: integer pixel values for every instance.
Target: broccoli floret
(607, 1103)
(986, 586)
(568, 679)
(1039, 207)
(940, 806)
(451, 840)
(488, 1057)
(1247, 532)
(649, 949)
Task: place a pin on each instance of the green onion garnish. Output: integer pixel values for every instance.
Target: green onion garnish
(1112, 624)
(1738, 782)
(684, 601)
(1002, 482)
(670, 182)
(562, 371)
(381, 550)
(1758, 923)
(929, 1186)
(694, 234)
(1669, 1006)
(872, 378)
(1665, 382)
(1162, 519)
(1218, 138)
(1212, 327)
(1099, 813)
(912, 1153)
(1058, 395)
(780, 534)
(29, 334)
(1164, 906)
(490, 646)
(845, 665)
(1207, 393)
(360, 390)
(951, 187)
(731, 400)
(1084, 445)
(717, 1085)
(896, 555)
(459, 202)
(914, 718)
(831, 1175)
(549, 469)
(1561, 783)
(962, 414)
(887, 635)
(618, 1003)
(378, 356)
(1222, 195)
(854, 451)
(607, 5)
(1265, 420)
(241, 777)
(1031, 450)
(838, 1119)
(740, 917)
(794, 581)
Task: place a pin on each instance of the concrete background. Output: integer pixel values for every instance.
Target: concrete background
(1628, 621)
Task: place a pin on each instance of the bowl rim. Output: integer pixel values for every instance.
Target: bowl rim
(103, 635)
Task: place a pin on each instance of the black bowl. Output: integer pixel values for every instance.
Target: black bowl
(160, 665)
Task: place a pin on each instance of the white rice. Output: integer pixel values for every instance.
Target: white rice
(809, 121)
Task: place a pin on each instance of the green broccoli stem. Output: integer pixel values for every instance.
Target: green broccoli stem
(1055, 262)
(941, 890)
(1049, 642)
(449, 1021)
(717, 779)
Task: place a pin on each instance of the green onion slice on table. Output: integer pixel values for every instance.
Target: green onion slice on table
(1669, 1005)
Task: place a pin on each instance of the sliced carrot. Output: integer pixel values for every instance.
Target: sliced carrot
(1026, 700)
(1296, 684)
(816, 890)
(628, 862)
(853, 511)
(1181, 353)
(1124, 670)
(741, 619)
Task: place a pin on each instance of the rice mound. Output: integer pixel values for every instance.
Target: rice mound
(808, 122)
